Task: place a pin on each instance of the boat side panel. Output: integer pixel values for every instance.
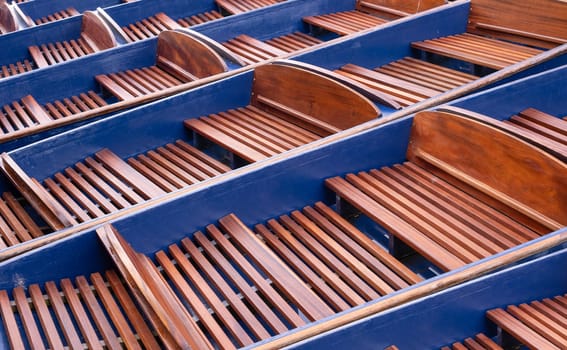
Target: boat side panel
(452, 315)
(393, 40)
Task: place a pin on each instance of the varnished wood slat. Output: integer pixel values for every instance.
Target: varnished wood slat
(28, 321)
(295, 289)
(42, 311)
(12, 330)
(63, 317)
(114, 181)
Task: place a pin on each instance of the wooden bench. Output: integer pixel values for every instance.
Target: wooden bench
(95, 36)
(181, 58)
(290, 106)
(16, 224)
(105, 184)
(537, 325)
(239, 6)
(459, 199)
(408, 80)
(87, 312)
(531, 125)
(480, 342)
(16, 68)
(149, 27)
(494, 28)
(252, 50)
(368, 14)
(66, 13)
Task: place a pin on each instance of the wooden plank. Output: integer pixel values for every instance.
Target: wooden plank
(42, 311)
(28, 321)
(285, 279)
(12, 330)
(63, 317)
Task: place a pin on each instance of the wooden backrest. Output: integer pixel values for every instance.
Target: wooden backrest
(7, 20)
(170, 318)
(396, 8)
(50, 210)
(96, 32)
(541, 23)
(186, 57)
(310, 100)
(501, 166)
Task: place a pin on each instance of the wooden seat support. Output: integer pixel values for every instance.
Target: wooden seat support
(495, 26)
(8, 22)
(180, 59)
(95, 36)
(286, 100)
(369, 14)
(436, 217)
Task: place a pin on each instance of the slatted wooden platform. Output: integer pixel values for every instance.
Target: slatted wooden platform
(252, 50)
(105, 183)
(492, 53)
(251, 133)
(27, 113)
(16, 68)
(400, 198)
(95, 312)
(480, 342)
(199, 18)
(344, 23)
(16, 225)
(95, 36)
(137, 82)
(538, 325)
(408, 80)
(240, 6)
(68, 12)
(150, 27)
(453, 201)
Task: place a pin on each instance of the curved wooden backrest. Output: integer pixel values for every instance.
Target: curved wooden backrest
(173, 323)
(296, 91)
(7, 20)
(96, 32)
(493, 162)
(186, 57)
(541, 23)
(397, 8)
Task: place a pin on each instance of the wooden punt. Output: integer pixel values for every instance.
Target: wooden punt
(267, 256)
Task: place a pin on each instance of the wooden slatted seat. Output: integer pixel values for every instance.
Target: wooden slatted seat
(498, 31)
(290, 107)
(480, 342)
(16, 68)
(150, 27)
(239, 6)
(531, 125)
(320, 245)
(68, 12)
(538, 325)
(252, 50)
(408, 80)
(95, 36)
(92, 312)
(368, 14)
(199, 18)
(454, 201)
(105, 184)
(27, 113)
(244, 287)
(181, 58)
(16, 225)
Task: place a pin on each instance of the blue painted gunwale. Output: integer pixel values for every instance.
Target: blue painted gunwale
(451, 315)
